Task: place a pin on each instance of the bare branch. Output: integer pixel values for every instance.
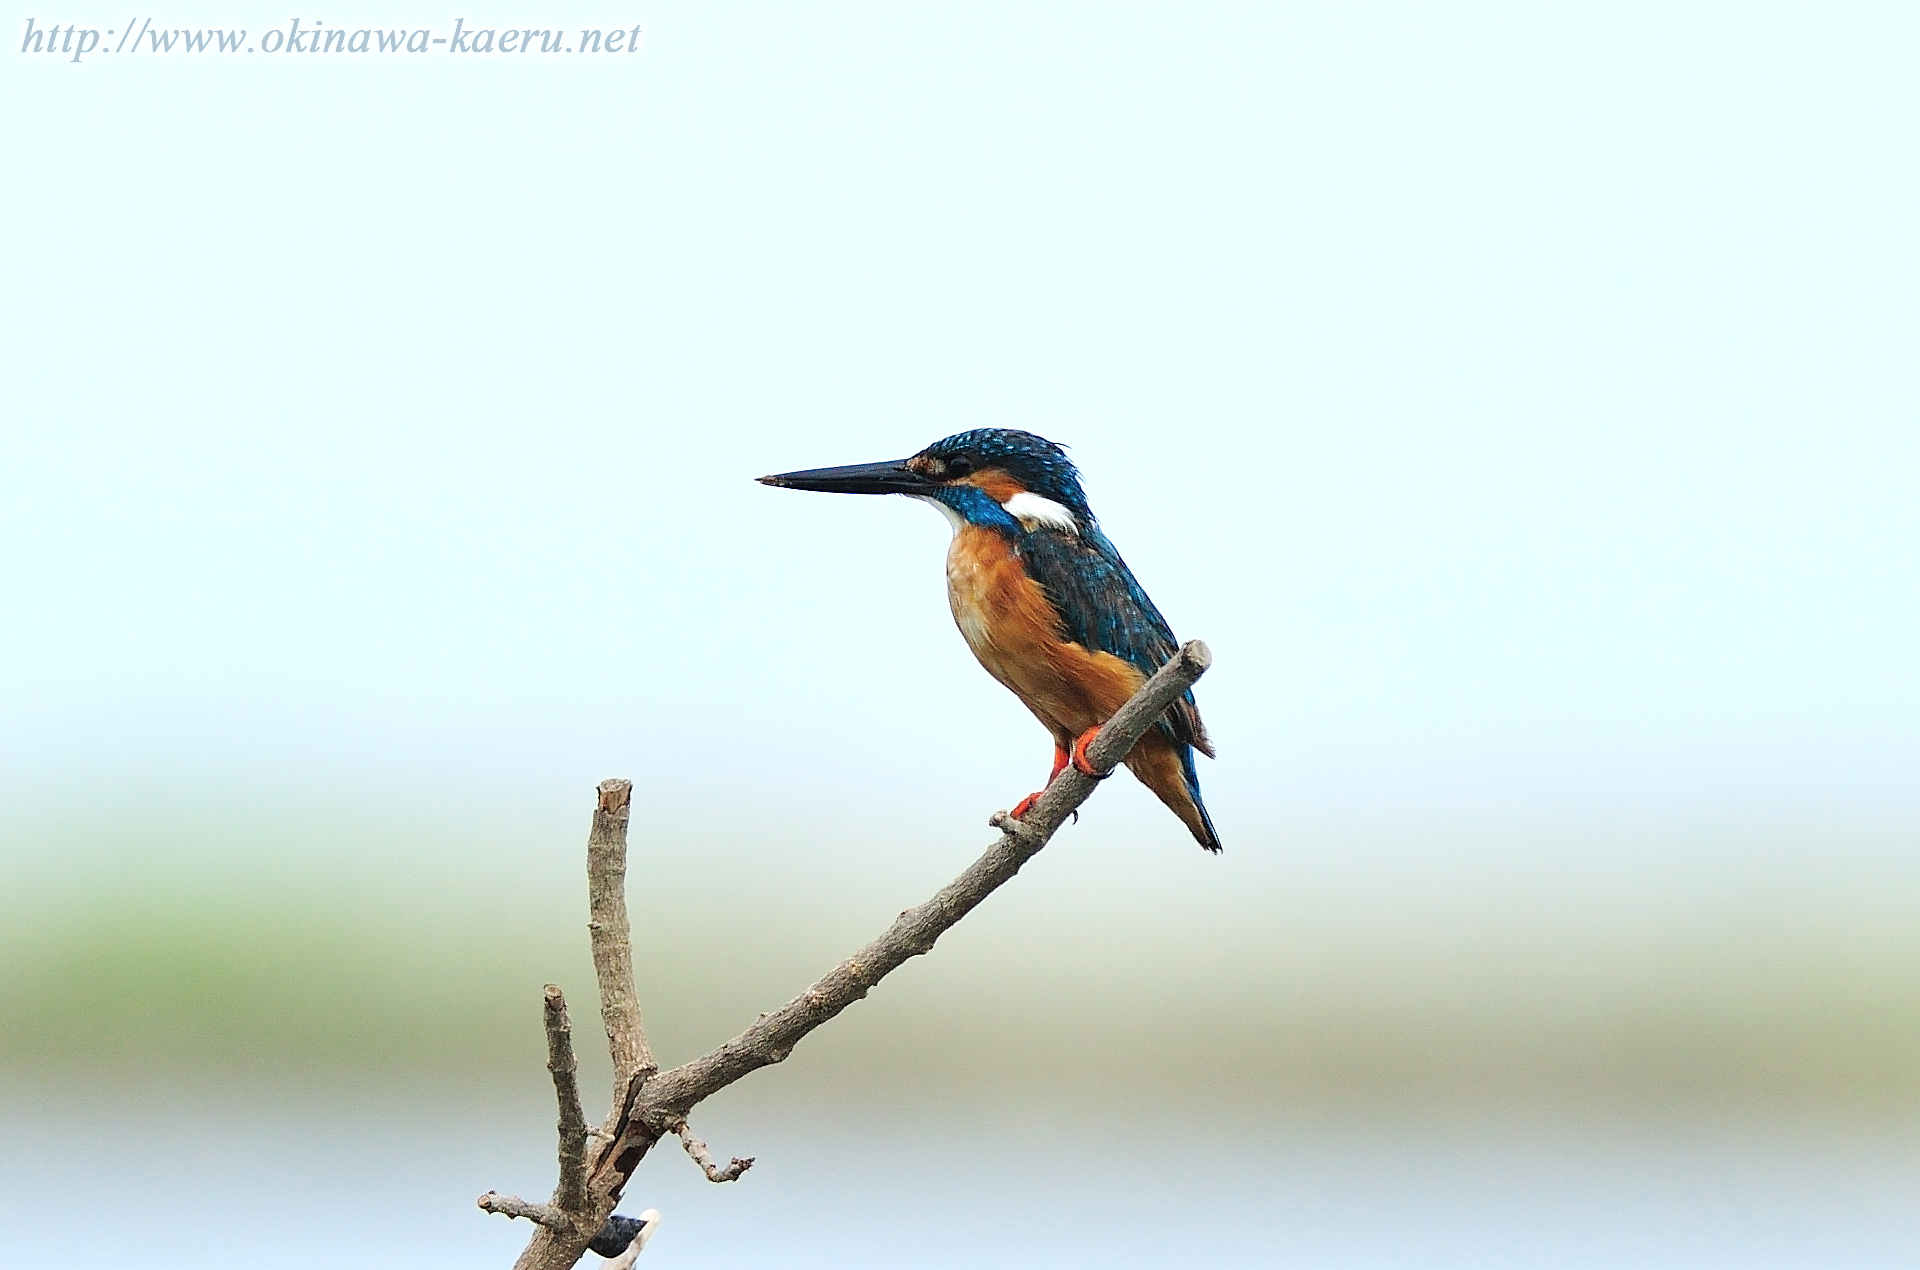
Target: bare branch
(583, 1201)
(704, 1158)
(571, 1193)
(514, 1206)
(648, 1104)
(773, 1037)
(612, 940)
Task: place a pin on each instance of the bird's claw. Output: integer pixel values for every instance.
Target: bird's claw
(1077, 756)
(1081, 763)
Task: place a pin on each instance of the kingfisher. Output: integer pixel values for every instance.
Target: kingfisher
(1044, 600)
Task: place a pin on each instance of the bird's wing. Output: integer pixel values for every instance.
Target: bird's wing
(1101, 607)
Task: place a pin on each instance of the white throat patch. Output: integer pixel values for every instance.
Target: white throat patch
(953, 517)
(1033, 511)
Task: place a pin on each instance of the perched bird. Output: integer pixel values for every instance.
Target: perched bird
(1043, 599)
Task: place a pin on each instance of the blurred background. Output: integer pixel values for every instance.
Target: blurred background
(1520, 400)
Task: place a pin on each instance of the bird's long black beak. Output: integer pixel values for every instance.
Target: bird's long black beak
(857, 478)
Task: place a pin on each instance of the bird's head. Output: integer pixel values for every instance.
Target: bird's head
(986, 476)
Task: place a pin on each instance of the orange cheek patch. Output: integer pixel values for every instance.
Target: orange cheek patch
(998, 484)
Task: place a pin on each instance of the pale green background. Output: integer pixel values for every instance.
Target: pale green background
(1521, 400)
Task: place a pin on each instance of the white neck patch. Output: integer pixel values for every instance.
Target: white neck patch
(953, 517)
(1033, 511)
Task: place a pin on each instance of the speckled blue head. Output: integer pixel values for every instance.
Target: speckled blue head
(1035, 463)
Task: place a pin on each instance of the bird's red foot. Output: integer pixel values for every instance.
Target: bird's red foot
(1080, 762)
(1026, 804)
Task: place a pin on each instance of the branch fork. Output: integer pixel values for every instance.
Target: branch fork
(596, 1163)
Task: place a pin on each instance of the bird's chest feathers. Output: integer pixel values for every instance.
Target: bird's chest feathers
(1002, 612)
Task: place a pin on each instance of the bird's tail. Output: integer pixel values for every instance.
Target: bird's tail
(1165, 766)
(1203, 831)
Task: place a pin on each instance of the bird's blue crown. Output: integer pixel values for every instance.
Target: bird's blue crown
(1037, 463)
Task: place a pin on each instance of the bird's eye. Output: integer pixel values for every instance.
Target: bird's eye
(959, 467)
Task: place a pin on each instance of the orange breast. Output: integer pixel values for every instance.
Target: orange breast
(1012, 628)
